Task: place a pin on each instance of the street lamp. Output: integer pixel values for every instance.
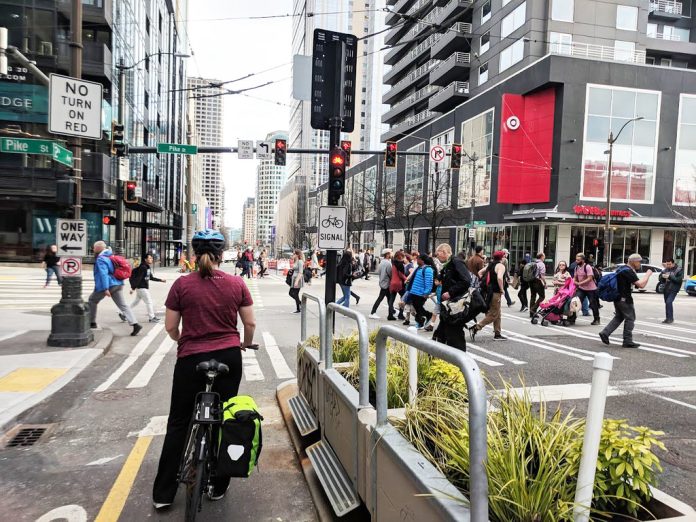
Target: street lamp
(120, 206)
(609, 236)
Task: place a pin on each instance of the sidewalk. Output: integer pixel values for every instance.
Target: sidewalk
(30, 371)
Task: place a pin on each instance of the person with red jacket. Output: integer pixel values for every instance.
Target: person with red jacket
(397, 282)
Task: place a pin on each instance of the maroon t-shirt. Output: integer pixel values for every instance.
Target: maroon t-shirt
(208, 309)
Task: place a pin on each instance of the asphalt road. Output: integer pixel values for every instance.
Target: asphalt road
(100, 431)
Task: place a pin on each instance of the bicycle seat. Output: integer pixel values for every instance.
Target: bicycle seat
(212, 366)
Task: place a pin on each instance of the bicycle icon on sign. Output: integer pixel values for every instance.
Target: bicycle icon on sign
(332, 221)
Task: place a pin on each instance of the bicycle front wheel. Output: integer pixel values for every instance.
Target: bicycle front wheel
(195, 472)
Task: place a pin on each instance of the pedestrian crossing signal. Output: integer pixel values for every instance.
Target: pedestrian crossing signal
(280, 152)
(346, 145)
(129, 195)
(390, 154)
(109, 220)
(456, 156)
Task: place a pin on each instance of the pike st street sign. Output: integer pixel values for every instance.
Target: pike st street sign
(71, 237)
(176, 148)
(26, 146)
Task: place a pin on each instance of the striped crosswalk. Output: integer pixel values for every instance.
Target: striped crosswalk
(29, 293)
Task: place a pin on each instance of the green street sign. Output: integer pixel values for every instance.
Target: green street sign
(26, 146)
(194, 208)
(62, 155)
(176, 148)
(479, 222)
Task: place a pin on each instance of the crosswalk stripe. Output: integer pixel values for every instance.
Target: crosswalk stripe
(671, 338)
(280, 366)
(669, 327)
(495, 354)
(484, 360)
(252, 370)
(546, 345)
(150, 367)
(10, 335)
(132, 357)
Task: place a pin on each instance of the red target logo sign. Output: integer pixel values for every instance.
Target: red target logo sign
(71, 266)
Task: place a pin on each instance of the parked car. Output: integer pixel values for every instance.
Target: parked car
(655, 281)
(690, 285)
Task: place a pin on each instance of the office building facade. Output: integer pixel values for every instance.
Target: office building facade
(249, 222)
(209, 110)
(270, 179)
(548, 81)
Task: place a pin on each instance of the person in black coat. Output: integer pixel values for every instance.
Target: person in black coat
(344, 276)
(140, 284)
(456, 280)
(52, 264)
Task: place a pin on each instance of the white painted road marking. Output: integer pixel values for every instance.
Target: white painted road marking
(156, 426)
(495, 354)
(12, 334)
(252, 370)
(132, 357)
(104, 460)
(484, 360)
(150, 367)
(280, 366)
(546, 345)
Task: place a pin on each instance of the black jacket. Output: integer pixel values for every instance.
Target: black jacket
(456, 278)
(345, 272)
(51, 259)
(675, 279)
(141, 276)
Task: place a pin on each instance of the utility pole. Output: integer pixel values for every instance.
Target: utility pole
(120, 204)
(472, 211)
(76, 72)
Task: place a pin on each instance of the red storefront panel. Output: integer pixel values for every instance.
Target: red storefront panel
(526, 147)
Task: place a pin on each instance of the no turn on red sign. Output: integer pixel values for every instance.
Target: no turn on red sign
(75, 107)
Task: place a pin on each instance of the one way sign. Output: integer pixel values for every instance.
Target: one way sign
(71, 237)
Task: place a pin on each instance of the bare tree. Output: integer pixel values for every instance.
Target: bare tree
(438, 193)
(295, 230)
(411, 210)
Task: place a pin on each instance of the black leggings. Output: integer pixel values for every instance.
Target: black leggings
(295, 294)
(187, 383)
(422, 315)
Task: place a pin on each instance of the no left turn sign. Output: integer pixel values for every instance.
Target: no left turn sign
(437, 154)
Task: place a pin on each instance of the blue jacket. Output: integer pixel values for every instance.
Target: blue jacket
(104, 272)
(422, 281)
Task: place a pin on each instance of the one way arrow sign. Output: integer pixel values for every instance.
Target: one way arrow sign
(71, 236)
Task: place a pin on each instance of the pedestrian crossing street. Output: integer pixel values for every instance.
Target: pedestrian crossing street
(144, 360)
(17, 293)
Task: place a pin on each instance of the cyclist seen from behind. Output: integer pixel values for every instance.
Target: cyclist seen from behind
(206, 304)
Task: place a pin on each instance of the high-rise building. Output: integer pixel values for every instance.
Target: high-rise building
(148, 41)
(270, 179)
(249, 221)
(209, 108)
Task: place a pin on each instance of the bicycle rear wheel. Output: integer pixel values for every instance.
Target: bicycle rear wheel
(195, 473)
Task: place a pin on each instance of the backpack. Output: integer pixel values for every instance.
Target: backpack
(608, 286)
(122, 268)
(307, 273)
(288, 277)
(240, 439)
(529, 272)
(596, 274)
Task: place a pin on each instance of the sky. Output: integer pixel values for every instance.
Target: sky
(226, 45)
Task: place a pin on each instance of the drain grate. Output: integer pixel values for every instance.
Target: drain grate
(26, 437)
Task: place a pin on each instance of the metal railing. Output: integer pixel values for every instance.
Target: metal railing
(597, 52)
(462, 27)
(413, 76)
(428, 21)
(417, 51)
(478, 443)
(454, 58)
(363, 344)
(413, 120)
(322, 322)
(415, 7)
(666, 6)
(665, 36)
(453, 88)
(419, 94)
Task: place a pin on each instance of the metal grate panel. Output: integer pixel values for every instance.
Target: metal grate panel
(333, 478)
(304, 418)
(26, 437)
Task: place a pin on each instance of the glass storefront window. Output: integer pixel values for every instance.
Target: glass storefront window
(684, 171)
(633, 171)
(413, 192)
(477, 138)
(550, 235)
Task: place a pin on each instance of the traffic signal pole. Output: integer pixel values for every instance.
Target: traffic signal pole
(120, 205)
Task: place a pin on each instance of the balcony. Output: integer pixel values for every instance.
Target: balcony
(667, 9)
(456, 67)
(93, 11)
(456, 39)
(427, 22)
(410, 57)
(452, 9)
(449, 96)
(597, 52)
(408, 123)
(408, 102)
(409, 80)
(393, 15)
(96, 59)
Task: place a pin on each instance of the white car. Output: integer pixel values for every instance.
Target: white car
(655, 282)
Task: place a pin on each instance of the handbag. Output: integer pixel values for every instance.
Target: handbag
(240, 439)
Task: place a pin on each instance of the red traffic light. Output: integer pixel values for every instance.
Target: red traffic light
(280, 144)
(391, 146)
(109, 220)
(456, 148)
(130, 185)
(337, 160)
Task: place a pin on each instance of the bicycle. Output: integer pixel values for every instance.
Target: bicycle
(332, 221)
(197, 467)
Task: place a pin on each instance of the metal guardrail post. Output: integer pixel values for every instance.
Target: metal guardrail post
(322, 322)
(363, 343)
(478, 445)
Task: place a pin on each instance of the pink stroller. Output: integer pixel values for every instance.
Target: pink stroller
(557, 310)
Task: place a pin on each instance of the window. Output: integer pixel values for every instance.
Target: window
(413, 191)
(626, 17)
(514, 20)
(486, 12)
(511, 55)
(633, 171)
(477, 139)
(666, 62)
(439, 189)
(561, 43)
(483, 73)
(562, 10)
(684, 173)
(652, 31)
(624, 51)
(485, 43)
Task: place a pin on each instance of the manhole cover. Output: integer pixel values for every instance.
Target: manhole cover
(116, 395)
(24, 435)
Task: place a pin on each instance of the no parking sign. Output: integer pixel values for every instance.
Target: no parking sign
(71, 266)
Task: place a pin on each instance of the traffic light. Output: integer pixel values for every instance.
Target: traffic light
(456, 156)
(109, 220)
(337, 174)
(390, 154)
(346, 145)
(65, 192)
(118, 147)
(129, 192)
(280, 152)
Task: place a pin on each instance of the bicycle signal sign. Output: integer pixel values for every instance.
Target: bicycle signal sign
(333, 228)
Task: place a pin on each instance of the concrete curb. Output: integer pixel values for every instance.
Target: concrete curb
(106, 340)
(325, 512)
